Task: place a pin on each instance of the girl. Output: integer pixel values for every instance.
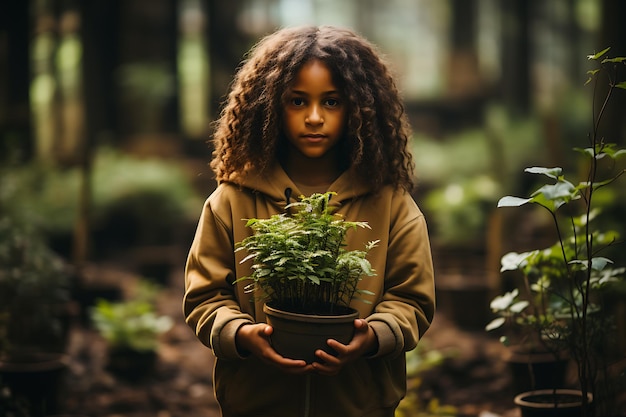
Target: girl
(312, 109)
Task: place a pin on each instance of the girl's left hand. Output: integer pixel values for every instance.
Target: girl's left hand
(363, 342)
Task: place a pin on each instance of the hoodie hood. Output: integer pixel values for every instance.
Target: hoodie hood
(278, 187)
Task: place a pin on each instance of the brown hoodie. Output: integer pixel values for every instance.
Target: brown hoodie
(400, 313)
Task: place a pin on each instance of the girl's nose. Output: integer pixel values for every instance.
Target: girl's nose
(314, 116)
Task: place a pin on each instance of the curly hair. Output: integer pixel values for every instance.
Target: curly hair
(248, 133)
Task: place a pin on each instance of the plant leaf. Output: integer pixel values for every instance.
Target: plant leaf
(495, 324)
(553, 196)
(616, 60)
(619, 153)
(597, 263)
(599, 54)
(503, 302)
(510, 201)
(513, 260)
(549, 172)
(559, 190)
(314, 279)
(519, 306)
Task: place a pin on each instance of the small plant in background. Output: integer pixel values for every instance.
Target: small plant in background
(460, 209)
(34, 287)
(559, 303)
(132, 330)
(300, 261)
(132, 325)
(418, 361)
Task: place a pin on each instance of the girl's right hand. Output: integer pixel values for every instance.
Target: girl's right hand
(255, 339)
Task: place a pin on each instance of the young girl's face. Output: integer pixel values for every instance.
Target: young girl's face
(314, 112)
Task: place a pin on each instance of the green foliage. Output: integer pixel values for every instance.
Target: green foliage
(34, 282)
(44, 197)
(558, 303)
(145, 88)
(132, 324)
(461, 174)
(154, 195)
(300, 261)
(459, 210)
(418, 361)
(117, 176)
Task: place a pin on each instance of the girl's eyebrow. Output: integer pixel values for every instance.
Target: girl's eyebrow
(304, 93)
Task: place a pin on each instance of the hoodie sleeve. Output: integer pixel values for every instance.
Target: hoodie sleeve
(408, 301)
(210, 302)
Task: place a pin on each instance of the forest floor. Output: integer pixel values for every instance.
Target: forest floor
(472, 377)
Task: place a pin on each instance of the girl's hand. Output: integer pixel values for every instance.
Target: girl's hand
(254, 338)
(363, 342)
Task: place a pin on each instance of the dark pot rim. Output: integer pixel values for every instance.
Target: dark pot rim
(518, 354)
(36, 362)
(522, 399)
(345, 316)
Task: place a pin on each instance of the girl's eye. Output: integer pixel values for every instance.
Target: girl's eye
(332, 102)
(297, 101)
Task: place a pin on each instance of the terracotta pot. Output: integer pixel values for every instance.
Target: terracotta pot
(35, 379)
(298, 336)
(551, 403)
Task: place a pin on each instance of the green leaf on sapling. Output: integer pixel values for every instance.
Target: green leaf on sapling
(599, 54)
(602, 150)
(495, 324)
(513, 260)
(510, 201)
(549, 172)
(553, 196)
(503, 302)
(597, 263)
(590, 78)
(616, 154)
(519, 306)
(560, 190)
(611, 275)
(616, 60)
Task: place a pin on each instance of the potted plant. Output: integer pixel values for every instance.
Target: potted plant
(558, 304)
(305, 274)
(131, 329)
(34, 290)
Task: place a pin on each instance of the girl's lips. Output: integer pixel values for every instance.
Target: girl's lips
(313, 137)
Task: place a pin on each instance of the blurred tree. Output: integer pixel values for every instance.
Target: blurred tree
(227, 44)
(464, 25)
(15, 122)
(515, 83)
(147, 72)
(100, 37)
(99, 30)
